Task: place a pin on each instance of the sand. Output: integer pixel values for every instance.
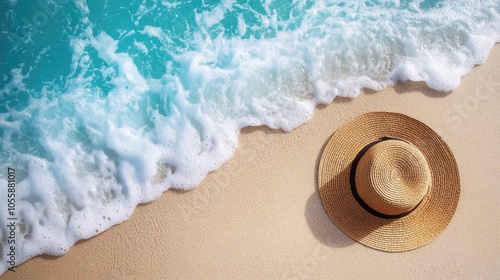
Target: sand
(260, 216)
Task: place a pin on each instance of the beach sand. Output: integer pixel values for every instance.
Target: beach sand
(260, 215)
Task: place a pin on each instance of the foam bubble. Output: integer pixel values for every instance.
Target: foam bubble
(133, 111)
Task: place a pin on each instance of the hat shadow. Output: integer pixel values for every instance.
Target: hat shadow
(322, 227)
(318, 220)
(320, 223)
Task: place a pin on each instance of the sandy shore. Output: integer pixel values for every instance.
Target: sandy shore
(260, 215)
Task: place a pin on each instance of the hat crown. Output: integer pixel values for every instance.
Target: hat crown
(392, 177)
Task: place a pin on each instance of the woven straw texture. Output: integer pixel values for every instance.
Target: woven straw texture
(392, 177)
(426, 164)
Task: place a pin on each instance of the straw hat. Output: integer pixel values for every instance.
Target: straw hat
(388, 181)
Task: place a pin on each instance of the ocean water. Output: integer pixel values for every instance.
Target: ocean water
(105, 104)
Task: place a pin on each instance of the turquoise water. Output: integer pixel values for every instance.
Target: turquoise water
(107, 104)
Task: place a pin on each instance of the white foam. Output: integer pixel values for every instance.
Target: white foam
(107, 151)
(141, 47)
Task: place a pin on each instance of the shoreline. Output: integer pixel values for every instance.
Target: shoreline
(260, 216)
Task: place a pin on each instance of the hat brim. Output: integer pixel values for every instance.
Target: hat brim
(419, 227)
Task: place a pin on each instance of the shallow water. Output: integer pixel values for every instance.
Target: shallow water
(106, 104)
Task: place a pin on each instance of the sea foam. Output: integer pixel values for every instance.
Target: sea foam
(106, 104)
